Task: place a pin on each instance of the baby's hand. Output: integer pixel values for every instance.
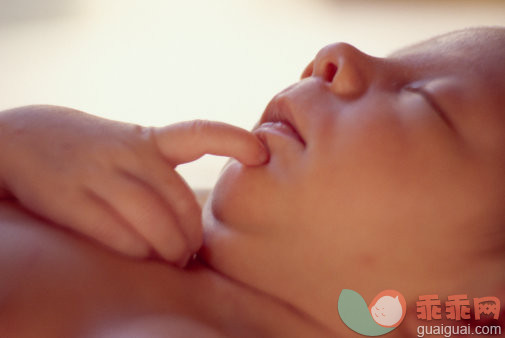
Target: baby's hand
(113, 181)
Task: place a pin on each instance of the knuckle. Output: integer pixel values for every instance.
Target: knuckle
(186, 206)
(199, 126)
(145, 135)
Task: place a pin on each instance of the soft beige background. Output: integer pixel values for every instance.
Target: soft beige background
(157, 62)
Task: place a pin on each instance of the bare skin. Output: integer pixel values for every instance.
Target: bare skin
(390, 183)
(113, 181)
(399, 183)
(66, 286)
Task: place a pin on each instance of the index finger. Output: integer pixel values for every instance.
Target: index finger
(187, 141)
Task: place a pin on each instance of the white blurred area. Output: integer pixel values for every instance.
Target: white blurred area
(157, 62)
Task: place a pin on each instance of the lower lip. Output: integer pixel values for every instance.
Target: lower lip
(278, 128)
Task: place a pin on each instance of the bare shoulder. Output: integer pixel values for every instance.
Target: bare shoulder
(68, 285)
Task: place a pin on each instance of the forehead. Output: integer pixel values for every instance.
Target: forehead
(478, 49)
(476, 56)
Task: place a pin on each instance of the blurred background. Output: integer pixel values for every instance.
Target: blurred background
(156, 62)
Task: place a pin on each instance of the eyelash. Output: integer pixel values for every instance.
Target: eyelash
(431, 101)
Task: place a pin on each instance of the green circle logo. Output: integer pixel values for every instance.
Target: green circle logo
(385, 312)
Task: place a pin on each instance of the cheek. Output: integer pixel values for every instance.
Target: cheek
(377, 181)
(357, 166)
(387, 198)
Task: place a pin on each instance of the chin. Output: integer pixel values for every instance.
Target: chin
(227, 210)
(224, 242)
(244, 197)
(241, 209)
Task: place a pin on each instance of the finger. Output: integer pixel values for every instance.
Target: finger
(102, 223)
(177, 195)
(140, 206)
(97, 220)
(186, 141)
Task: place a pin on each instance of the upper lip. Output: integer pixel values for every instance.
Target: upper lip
(280, 110)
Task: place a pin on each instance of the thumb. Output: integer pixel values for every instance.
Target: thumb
(187, 141)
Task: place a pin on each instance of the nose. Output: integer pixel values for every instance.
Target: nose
(346, 69)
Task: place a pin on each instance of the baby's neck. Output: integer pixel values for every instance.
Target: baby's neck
(251, 308)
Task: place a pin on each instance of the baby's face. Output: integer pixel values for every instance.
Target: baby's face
(393, 178)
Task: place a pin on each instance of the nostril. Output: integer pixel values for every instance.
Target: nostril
(329, 71)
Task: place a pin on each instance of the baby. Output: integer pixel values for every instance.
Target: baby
(368, 174)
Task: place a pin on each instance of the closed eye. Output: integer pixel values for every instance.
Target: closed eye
(433, 103)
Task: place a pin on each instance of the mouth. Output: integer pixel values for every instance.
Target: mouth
(278, 119)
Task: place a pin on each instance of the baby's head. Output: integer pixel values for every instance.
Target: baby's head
(393, 179)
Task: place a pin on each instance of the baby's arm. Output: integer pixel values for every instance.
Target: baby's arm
(114, 182)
